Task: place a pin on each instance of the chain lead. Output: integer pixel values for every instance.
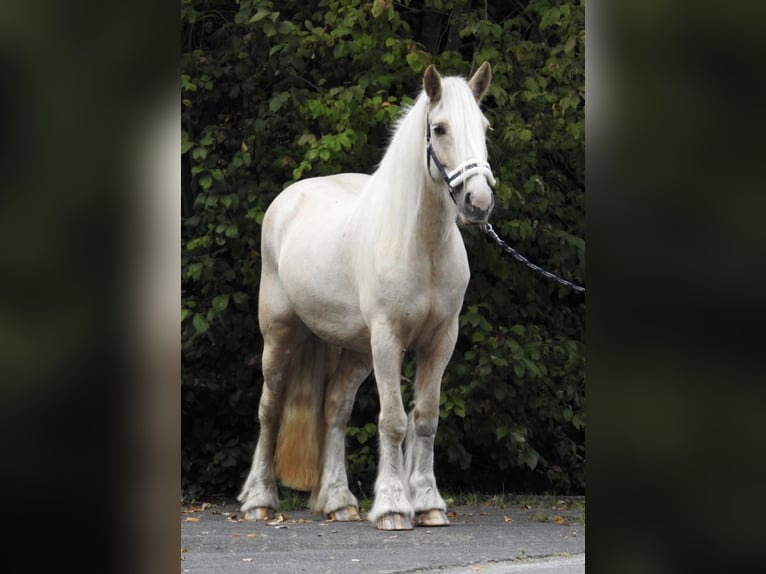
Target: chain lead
(489, 230)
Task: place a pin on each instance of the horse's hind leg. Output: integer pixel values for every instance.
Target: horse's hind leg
(282, 332)
(430, 508)
(334, 498)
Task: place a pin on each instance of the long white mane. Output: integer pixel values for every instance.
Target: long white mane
(390, 200)
(389, 207)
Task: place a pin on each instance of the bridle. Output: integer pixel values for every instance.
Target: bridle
(461, 173)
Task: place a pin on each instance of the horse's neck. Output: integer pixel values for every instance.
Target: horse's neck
(436, 218)
(402, 212)
(404, 219)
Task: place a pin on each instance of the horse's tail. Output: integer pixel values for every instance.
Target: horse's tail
(300, 440)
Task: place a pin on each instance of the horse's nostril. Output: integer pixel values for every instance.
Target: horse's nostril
(468, 198)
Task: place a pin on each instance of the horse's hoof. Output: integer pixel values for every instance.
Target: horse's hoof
(393, 521)
(259, 513)
(434, 517)
(346, 514)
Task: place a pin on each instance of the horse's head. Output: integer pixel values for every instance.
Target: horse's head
(456, 141)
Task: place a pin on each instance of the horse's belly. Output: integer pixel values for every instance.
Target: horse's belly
(327, 305)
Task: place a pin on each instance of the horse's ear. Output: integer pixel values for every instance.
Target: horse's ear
(432, 83)
(480, 82)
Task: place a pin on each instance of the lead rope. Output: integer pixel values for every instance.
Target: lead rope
(489, 230)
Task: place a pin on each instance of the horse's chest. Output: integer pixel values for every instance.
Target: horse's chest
(418, 311)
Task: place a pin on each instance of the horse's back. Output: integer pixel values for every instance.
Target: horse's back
(327, 190)
(311, 204)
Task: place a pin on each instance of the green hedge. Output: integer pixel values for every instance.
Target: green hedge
(277, 91)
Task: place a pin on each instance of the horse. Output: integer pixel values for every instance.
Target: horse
(357, 270)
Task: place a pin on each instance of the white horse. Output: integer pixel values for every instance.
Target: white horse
(356, 270)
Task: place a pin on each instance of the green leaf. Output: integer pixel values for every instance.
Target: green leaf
(531, 458)
(550, 17)
(239, 297)
(415, 61)
(518, 330)
(259, 15)
(199, 153)
(206, 181)
(187, 84)
(570, 45)
(200, 323)
(220, 302)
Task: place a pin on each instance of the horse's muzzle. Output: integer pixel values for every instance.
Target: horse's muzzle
(477, 202)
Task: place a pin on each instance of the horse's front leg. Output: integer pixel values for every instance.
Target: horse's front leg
(430, 508)
(333, 497)
(392, 509)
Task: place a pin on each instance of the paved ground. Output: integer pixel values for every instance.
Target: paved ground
(487, 539)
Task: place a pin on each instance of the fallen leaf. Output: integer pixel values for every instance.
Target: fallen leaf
(279, 519)
(184, 549)
(192, 519)
(252, 536)
(507, 519)
(247, 560)
(452, 515)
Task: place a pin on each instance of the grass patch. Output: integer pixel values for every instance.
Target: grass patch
(292, 500)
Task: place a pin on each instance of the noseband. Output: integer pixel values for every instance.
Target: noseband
(461, 173)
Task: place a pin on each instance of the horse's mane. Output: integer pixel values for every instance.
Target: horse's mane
(387, 216)
(390, 200)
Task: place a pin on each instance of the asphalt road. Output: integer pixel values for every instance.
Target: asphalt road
(487, 539)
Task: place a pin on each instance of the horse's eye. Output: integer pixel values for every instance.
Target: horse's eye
(439, 130)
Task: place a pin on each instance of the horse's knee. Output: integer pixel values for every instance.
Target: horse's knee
(424, 426)
(393, 427)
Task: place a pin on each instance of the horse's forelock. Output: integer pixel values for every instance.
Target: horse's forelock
(465, 117)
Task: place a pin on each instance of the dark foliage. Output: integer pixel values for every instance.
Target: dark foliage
(278, 91)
